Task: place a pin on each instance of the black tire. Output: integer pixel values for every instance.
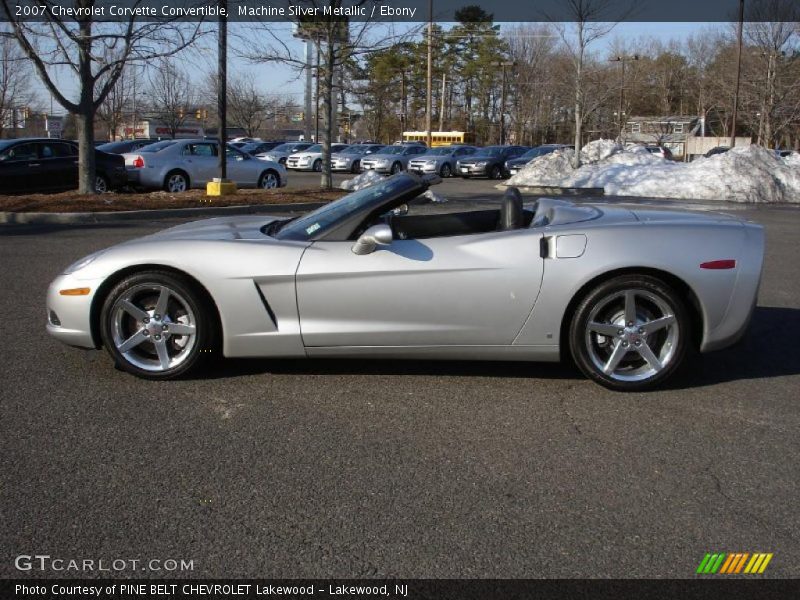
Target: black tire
(172, 179)
(101, 185)
(356, 168)
(282, 161)
(466, 176)
(496, 172)
(266, 178)
(611, 349)
(396, 168)
(317, 167)
(129, 315)
(445, 171)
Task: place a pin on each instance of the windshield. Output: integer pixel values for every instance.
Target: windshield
(394, 150)
(323, 219)
(441, 151)
(491, 151)
(291, 147)
(532, 153)
(157, 147)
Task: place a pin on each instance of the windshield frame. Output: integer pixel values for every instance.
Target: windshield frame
(340, 220)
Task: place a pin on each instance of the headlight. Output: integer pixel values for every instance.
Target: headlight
(78, 265)
(431, 163)
(305, 160)
(481, 164)
(382, 162)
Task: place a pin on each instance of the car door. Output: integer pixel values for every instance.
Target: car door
(57, 166)
(20, 169)
(201, 162)
(241, 169)
(452, 291)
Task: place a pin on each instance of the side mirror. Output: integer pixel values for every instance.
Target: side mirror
(400, 210)
(377, 235)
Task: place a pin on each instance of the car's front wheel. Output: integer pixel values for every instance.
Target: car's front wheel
(156, 325)
(356, 168)
(496, 172)
(445, 171)
(630, 333)
(317, 166)
(396, 168)
(269, 180)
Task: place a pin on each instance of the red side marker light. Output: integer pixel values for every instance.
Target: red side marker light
(138, 162)
(719, 264)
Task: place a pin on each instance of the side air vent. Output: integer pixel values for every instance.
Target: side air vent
(268, 308)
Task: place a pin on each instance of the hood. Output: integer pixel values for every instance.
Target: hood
(306, 155)
(479, 157)
(221, 228)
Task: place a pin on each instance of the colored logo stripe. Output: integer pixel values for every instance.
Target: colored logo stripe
(734, 563)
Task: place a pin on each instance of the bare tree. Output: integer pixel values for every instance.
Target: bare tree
(96, 53)
(111, 111)
(172, 97)
(16, 92)
(337, 40)
(248, 107)
(587, 27)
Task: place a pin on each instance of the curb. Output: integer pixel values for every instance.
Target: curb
(555, 191)
(43, 218)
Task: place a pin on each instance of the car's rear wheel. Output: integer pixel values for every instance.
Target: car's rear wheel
(101, 184)
(317, 166)
(445, 171)
(269, 180)
(496, 172)
(396, 168)
(356, 168)
(156, 325)
(630, 333)
(176, 181)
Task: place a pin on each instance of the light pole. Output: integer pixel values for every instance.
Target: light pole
(622, 59)
(503, 66)
(222, 96)
(429, 99)
(738, 73)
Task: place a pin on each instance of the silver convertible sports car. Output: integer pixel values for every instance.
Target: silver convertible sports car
(627, 293)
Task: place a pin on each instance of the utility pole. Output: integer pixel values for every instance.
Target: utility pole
(441, 110)
(403, 106)
(430, 73)
(622, 60)
(222, 95)
(316, 98)
(738, 73)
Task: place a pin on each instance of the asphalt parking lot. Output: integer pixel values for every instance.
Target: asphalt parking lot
(395, 469)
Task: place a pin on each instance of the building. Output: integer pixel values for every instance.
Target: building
(686, 136)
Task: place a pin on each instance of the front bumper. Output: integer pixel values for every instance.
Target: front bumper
(341, 165)
(367, 166)
(69, 317)
(423, 167)
(472, 170)
(297, 165)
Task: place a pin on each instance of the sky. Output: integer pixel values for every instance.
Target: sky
(282, 80)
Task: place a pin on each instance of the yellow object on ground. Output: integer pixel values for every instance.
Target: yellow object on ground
(220, 188)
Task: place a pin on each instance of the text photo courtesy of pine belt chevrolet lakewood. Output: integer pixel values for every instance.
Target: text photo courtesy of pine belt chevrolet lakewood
(178, 165)
(628, 293)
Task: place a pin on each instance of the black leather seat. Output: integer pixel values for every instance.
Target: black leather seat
(511, 212)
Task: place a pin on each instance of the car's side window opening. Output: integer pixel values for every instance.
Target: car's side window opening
(424, 226)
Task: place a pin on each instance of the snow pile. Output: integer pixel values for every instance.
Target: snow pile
(743, 174)
(359, 182)
(430, 196)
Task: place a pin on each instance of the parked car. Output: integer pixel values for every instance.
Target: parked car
(123, 146)
(489, 162)
(351, 280)
(440, 160)
(310, 159)
(255, 148)
(280, 153)
(29, 165)
(661, 151)
(513, 165)
(177, 165)
(349, 159)
(717, 150)
(392, 159)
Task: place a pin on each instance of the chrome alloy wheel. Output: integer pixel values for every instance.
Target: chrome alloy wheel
(100, 184)
(176, 183)
(153, 327)
(269, 181)
(632, 335)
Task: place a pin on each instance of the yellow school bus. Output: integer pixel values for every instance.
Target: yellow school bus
(438, 138)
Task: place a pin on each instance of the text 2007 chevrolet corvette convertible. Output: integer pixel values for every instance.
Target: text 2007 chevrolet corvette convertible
(626, 292)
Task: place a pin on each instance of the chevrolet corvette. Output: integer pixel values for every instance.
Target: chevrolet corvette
(625, 292)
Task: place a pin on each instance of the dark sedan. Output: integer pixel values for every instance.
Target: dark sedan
(123, 146)
(489, 162)
(49, 165)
